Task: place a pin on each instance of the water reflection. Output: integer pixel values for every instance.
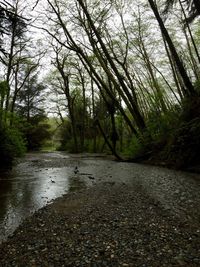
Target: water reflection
(5, 187)
(30, 186)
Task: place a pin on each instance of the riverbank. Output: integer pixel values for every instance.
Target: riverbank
(110, 224)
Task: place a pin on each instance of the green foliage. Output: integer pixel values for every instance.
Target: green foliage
(3, 89)
(190, 109)
(133, 148)
(160, 124)
(174, 136)
(182, 148)
(37, 131)
(171, 137)
(68, 146)
(11, 145)
(197, 86)
(66, 142)
(15, 142)
(100, 146)
(159, 128)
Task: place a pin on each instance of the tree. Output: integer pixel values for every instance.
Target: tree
(13, 44)
(122, 64)
(31, 98)
(8, 17)
(189, 88)
(29, 107)
(192, 5)
(61, 64)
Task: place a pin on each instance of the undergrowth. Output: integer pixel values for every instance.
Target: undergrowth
(175, 137)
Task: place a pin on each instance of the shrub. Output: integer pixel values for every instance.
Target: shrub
(134, 148)
(36, 135)
(11, 145)
(183, 148)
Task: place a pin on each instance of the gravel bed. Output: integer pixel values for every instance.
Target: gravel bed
(110, 224)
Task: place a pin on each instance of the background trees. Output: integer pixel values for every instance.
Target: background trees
(17, 69)
(136, 68)
(121, 76)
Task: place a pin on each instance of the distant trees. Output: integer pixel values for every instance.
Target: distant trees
(113, 52)
(109, 70)
(14, 40)
(121, 75)
(17, 71)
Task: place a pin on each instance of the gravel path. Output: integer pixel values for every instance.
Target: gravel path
(133, 215)
(107, 225)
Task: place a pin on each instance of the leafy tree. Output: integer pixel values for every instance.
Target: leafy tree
(37, 131)
(8, 18)
(30, 107)
(12, 145)
(31, 98)
(121, 63)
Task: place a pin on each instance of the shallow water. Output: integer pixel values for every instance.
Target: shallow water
(31, 185)
(41, 177)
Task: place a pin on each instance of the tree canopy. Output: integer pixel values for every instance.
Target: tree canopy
(116, 75)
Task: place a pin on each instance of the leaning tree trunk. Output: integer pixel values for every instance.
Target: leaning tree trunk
(71, 111)
(93, 115)
(189, 30)
(88, 65)
(107, 141)
(124, 91)
(190, 91)
(197, 5)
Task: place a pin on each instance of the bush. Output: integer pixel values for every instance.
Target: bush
(67, 145)
(36, 136)
(160, 125)
(133, 148)
(183, 148)
(11, 145)
(176, 141)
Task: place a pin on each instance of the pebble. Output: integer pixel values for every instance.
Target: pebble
(109, 228)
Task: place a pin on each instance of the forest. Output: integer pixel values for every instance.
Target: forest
(112, 76)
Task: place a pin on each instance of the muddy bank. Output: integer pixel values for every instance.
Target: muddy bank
(107, 225)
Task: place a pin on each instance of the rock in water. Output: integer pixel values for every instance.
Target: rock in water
(76, 170)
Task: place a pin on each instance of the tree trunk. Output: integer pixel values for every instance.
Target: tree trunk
(88, 65)
(190, 91)
(189, 30)
(93, 115)
(137, 115)
(176, 80)
(82, 133)
(107, 141)
(197, 5)
(71, 112)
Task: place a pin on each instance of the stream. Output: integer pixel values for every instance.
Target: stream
(33, 183)
(39, 178)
